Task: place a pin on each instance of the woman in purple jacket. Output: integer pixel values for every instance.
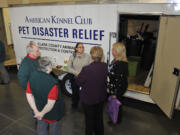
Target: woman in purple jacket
(92, 80)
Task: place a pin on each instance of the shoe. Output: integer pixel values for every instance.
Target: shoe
(75, 107)
(111, 123)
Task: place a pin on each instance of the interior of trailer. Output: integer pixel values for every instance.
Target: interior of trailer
(140, 34)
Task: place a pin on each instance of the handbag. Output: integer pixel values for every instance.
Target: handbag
(113, 108)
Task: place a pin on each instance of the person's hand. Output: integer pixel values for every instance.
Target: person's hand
(107, 90)
(39, 115)
(77, 73)
(35, 112)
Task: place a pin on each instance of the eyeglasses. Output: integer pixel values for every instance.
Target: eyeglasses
(80, 47)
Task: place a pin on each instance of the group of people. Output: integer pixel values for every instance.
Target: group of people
(92, 80)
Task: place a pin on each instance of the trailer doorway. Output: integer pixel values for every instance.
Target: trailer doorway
(140, 34)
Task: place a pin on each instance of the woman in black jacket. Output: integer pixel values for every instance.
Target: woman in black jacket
(118, 72)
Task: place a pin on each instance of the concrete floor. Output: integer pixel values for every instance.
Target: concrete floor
(139, 118)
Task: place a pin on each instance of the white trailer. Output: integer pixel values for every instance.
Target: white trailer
(57, 28)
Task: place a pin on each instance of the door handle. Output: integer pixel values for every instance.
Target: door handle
(176, 71)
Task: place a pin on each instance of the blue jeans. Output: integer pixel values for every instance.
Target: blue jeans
(42, 128)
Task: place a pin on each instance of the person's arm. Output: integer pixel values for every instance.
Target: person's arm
(70, 66)
(123, 81)
(81, 78)
(89, 59)
(52, 97)
(47, 108)
(30, 99)
(111, 81)
(23, 75)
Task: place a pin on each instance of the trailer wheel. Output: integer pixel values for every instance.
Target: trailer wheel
(66, 84)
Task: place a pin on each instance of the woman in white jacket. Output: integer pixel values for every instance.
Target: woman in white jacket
(76, 62)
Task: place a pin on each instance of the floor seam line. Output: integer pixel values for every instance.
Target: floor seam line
(14, 122)
(7, 127)
(7, 117)
(24, 124)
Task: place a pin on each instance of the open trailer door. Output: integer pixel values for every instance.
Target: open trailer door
(163, 89)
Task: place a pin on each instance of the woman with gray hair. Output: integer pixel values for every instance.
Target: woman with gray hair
(45, 65)
(44, 97)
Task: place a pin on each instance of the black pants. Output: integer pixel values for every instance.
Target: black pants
(94, 118)
(75, 93)
(119, 120)
(121, 99)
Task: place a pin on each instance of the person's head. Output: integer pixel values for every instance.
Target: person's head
(79, 48)
(119, 51)
(96, 53)
(32, 50)
(45, 64)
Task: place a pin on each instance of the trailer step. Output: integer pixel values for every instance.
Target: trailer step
(139, 89)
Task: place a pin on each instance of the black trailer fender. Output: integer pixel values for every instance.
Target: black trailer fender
(66, 84)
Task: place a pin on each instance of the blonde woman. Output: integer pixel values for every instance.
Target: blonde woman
(118, 72)
(92, 79)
